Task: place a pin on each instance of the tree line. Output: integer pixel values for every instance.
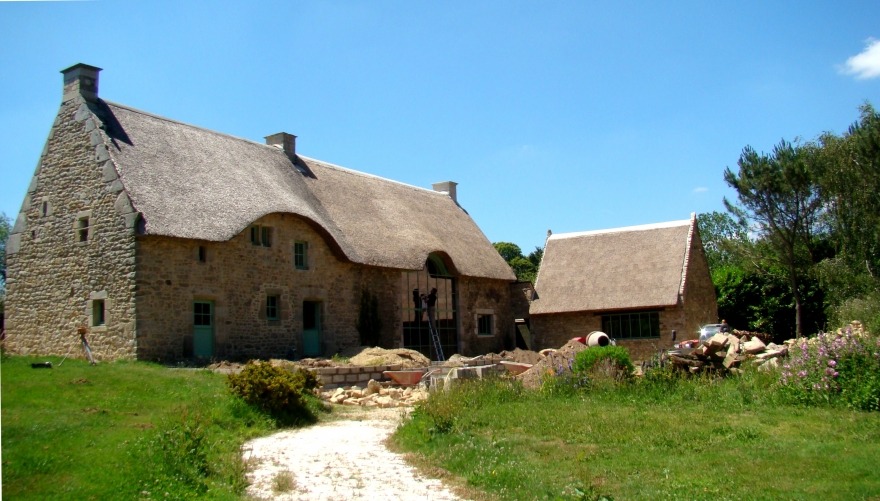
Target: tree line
(798, 251)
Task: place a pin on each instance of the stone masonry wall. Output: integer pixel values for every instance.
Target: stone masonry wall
(700, 302)
(554, 330)
(484, 296)
(237, 276)
(54, 279)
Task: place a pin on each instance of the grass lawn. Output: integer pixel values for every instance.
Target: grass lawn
(121, 430)
(697, 440)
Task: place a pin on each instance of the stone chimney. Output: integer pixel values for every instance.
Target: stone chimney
(447, 187)
(285, 141)
(80, 80)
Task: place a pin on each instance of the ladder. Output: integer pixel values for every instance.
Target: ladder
(435, 336)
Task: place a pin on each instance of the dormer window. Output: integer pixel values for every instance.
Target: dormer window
(261, 235)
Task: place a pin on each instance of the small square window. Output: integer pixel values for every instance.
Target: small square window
(301, 255)
(98, 313)
(261, 235)
(82, 229)
(272, 308)
(485, 324)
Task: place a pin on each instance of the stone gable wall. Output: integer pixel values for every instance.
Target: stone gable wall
(53, 278)
(700, 302)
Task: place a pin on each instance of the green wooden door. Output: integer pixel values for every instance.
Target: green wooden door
(311, 329)
(203, 329)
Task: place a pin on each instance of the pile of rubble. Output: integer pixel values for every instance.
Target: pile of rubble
(726, 351)
(401, 357)
(377, 394)
(552, 362)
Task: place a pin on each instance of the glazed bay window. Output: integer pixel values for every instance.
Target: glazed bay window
(633, 325)
(301, 255)
(273, 308)
(261, 235)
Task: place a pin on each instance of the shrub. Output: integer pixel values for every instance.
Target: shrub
(835, 368)
(608, 364)
(278, 392)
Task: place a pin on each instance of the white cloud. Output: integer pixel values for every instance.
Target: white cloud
(865, 64)
(701, 189)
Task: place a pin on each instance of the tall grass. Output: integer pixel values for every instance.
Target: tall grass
(123, 430)
(660, 437)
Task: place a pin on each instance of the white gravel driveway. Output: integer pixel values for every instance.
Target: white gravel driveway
(337, 460)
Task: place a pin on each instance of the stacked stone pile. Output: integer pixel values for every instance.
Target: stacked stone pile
(724, 352)
(376, 394)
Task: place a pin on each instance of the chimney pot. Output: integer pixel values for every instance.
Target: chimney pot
(285, 141)
(80, 80)
(447, 187)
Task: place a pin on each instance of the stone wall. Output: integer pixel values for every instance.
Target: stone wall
(488, 297)
(55, 278)
(237, 276)
(554, 330)
(699, 300)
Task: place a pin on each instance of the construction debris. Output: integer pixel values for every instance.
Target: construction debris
(405, 358)
(553, 363)
(723, 352)
(376, 394)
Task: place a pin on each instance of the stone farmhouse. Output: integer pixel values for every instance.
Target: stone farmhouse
(636, 284)
(169, 241)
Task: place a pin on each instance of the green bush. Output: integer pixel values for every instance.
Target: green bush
(280, 393)
(603, 365)
(836, 369)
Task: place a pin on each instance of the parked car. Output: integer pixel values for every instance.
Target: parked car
(708, 331)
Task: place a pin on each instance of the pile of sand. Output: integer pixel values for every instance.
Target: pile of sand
(406, 359)
(554, 363)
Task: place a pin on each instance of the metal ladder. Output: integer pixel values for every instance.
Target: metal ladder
(435, 336)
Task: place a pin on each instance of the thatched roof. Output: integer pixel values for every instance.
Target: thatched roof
(190, 182)
(616, 269)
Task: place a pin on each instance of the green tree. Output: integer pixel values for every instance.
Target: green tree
(5, 228)
(525, 268)
(723, 238)
(778, 193)
(849, 179)
(508, 250)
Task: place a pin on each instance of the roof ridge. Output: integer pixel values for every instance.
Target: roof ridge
(186, 124)
(368, 175)
(323, 162)
(623, 229)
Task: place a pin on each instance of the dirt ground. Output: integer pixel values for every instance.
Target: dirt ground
(340, 459)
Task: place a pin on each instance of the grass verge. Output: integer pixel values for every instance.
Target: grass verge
(660, 439)
(122, 430)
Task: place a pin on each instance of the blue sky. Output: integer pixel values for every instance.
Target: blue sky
(570, 116)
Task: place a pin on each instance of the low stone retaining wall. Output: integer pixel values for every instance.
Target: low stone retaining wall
(337, 377)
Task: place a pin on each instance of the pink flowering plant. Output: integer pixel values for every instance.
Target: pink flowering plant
(840, 368)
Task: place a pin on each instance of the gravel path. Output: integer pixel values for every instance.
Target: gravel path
(344, 459)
